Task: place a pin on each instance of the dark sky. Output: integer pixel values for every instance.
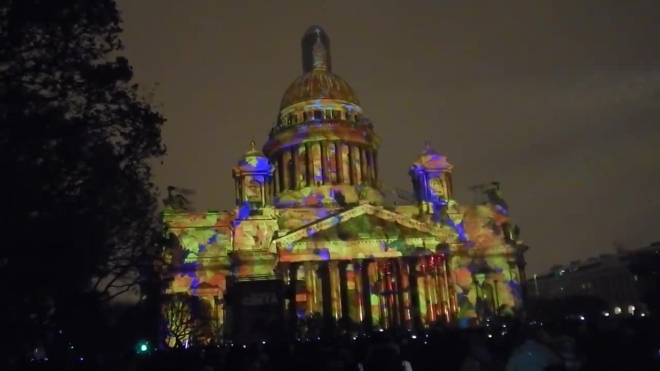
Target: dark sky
(552, 98)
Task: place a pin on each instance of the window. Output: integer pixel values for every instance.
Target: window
(254, 191)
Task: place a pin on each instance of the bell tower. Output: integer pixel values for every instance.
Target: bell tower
(431, 178)
(253, 176)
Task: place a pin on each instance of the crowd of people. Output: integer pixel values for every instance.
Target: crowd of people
(512, 346)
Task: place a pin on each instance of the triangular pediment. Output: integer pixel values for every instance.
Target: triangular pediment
(366, 227)
(367, 223)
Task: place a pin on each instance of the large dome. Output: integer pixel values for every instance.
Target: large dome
(318, 84)
(317, 81)
(319, 106)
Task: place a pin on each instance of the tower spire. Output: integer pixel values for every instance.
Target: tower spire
(316, 50)
(320, 54)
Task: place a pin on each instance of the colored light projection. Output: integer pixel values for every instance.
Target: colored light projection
(362, 232)
(318, 84)
(312, 202)
(197, 264)
(482, 275)
(200, 254)
(487, 281)
(383, 289)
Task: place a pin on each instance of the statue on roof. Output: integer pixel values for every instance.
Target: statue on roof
(495, 197)
(511, 231)
(176, 199)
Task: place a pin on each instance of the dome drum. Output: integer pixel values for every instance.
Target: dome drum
(311, 163)
(358, 134)
(319, 110)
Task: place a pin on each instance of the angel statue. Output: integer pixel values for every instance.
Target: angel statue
(176, 199)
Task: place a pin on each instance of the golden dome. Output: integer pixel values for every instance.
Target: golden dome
(318, 84)
(317, 80)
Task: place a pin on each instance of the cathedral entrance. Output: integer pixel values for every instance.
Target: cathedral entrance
(258, 310)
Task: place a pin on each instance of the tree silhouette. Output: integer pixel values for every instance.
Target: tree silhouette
(190, 321)
(178, 313)
(75, 138)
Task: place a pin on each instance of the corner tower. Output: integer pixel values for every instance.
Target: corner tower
(253, 180)
(322, 144)
(431, 178)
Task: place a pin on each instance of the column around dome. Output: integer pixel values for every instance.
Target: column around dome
(317, 163)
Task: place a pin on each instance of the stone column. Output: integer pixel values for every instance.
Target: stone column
(266, 192)
(428, 290)
(382, 299)
(335, 295)
(351, 165)
(324, 273)
(367, 179)
(293, 286)
(364, 166)
(496, 298)
(283, 272)
(414, 292)
(404, 292)
(286, 156)
(343, 291)
(442, 289)
(309, 165)
(310, 283)
(340, 163)
(394, 292)
(276, 179)
(325, 166)
(296, 174)
(441, 298)
(368, 321)
(370, 164)
(237, 186)
(359, 301)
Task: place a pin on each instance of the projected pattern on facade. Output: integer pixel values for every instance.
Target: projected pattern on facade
(310, 210)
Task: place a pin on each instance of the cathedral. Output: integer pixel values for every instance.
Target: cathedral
(314, 233)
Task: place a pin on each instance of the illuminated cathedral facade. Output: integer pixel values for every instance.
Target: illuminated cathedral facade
(312, 220)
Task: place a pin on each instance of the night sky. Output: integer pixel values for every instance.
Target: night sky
(557, 100)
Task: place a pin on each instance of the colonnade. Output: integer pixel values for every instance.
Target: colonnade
(334, 162)
(406, 292)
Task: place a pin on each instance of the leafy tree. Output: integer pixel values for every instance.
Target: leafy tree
(76, 135)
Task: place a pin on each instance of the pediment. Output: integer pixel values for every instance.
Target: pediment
(367, 223)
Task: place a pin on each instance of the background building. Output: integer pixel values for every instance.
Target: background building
(312, 228)
(608, 277)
